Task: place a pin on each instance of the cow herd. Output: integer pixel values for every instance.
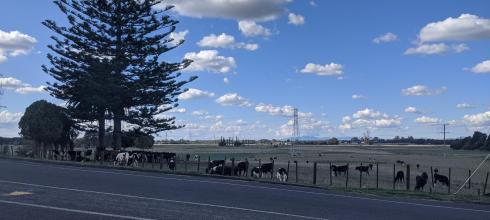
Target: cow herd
(219, 167)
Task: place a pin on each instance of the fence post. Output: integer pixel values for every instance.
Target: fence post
(314, 172)
(12, 150)
(394, 176)
(469, 179)
(288, 171)
(296, 170)
(185, 164)
(223, 170)
(330, 173)
(246, 167)
(233, 166)
(272, 173)
(377, 175)
(347, 177)
(260, 168)
(408, 177)
(152, 160)
(431, 177)
(485, 186)
(198, 162)
(449, 186)
(360, 178)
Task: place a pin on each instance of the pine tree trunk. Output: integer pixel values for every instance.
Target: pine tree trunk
(101, 132)
(117, 133)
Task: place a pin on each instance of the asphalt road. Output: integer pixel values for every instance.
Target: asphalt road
(46, 191)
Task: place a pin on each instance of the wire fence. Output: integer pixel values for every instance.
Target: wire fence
(398, 176)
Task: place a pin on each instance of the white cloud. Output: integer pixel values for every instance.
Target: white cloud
(15, 43)
(458, 48)
(233, 99)
(10, 83)
(428, 49)
(210, 61)
(388, 37)
(252, 29)
(226, 80)
(371, 119)
(464, 27)
(194, 94)
(229, 9)
(225, 41)
(480, 119)
(199, 113)
(411, 109)
(30, 89)
(427, 120)
(313, 3)
(421, 90)
(483, 67)
(7, 117)
(332, 69)
(465, 105)
(178, 37)
(178, 110)
(286, 110)
(357, 97)
(19, 87)
(296, 19)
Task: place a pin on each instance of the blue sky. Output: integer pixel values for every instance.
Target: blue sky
(390, 67)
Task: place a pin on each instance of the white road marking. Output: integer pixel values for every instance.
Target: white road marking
(256, 187)
(163, 200)
(73, 210)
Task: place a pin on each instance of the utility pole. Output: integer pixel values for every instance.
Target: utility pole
(444, 132)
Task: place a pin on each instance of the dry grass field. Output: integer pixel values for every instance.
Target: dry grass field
(441, 157)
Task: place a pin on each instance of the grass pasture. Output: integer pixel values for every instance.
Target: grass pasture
(441, 157)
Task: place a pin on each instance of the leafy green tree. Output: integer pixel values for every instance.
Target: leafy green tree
(333, 141)
(47, 125)
(120, 41)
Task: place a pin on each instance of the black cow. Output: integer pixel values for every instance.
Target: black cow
(214, 163)
(338, 170)
(241, 168)
(400, 177)
(266, 168)
(364, 169)
(421, 181)
(219, 170)
(441, 178)
(400, 162)
(167, 156)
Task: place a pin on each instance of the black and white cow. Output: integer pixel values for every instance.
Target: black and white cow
(282, 174)
(364, 169)
(241, 168)
(214, 163)
(266, 168)
(255, 172)
(219, 170)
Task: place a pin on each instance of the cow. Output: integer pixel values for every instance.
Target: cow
(400, 177)
(214, 163)
(255, 172)
(171, 163)
(121, 159)
(219, 170)
(266, 168)
(364, 169)
(338, 170)
(241, 168)
(167, 156)
(420, 181)
(282, 175)
(441, 178)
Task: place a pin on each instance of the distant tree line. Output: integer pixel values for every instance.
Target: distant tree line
(479, 141)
